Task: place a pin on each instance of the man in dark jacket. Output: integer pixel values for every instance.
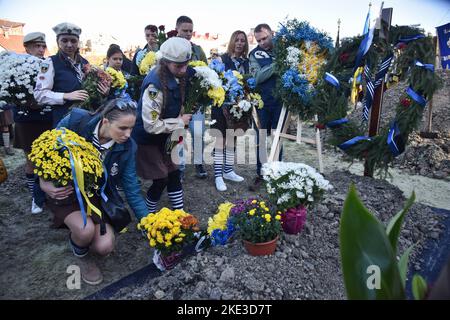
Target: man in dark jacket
(151, 35)
(262, 68)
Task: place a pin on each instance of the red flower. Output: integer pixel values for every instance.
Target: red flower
(180, 140)
(172, 33)
(344, 57)
(406, 102)
(162, 28)
(401, 46)
(320, 126)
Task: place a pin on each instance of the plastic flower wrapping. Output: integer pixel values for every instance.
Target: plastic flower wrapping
(205, 89)
(291, 184)
(220, 227)
(255, 220)
(18, 74)
(92, 77)
(169, 231)
(60, 155)
(301, 53)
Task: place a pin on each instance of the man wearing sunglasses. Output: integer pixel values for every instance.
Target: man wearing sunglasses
(151, 36)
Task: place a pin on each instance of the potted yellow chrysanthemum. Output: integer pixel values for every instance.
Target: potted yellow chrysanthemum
(258, 224)
(169, 231)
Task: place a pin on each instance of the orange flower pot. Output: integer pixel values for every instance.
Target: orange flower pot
(261, 249)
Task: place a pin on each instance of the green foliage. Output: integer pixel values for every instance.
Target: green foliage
(364, 243)
(331, 104)
(419, 287)
(256, 222)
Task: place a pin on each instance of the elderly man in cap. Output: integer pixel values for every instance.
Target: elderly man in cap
(59, 82)
(160, 114)
(30, 125)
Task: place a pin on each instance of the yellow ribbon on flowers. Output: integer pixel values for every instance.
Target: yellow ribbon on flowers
(79, 175)
(356, 85)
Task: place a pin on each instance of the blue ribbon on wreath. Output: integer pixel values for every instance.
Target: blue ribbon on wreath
(427, 66)
(395, 140)
(412, 38)
(416, 97)
(336, 123)
(332, 80)
(346, 145)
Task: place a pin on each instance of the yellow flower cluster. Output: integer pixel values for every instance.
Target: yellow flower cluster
(219, 221)
(256, 100)
(311, 62)
(197, 63)
(217, 95)
(118, 79)
(264, 211)
(239, 76)
(52, 160)
(167, 228)
(148, 62)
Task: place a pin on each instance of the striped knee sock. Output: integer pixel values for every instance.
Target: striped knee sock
(30, 182)
(229, 161)
(176, 199)
(218, 163)
(151, 205)
(5, 136)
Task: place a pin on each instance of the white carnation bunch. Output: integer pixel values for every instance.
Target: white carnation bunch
(18, 74)
(291, 184)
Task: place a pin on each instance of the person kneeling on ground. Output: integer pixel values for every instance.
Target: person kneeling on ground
(109, 130)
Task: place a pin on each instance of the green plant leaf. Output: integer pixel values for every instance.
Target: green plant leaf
(403, 264)
(363, 244)
(395, 224)
(419, 287)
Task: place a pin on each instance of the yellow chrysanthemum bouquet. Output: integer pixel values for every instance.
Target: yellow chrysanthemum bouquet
(147, 62)
(169, 230)
(60, 155)
(118, 79)
(205, 89)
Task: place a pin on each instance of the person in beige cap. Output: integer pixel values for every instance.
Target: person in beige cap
(59, 82)
(31, 124)
(159, 115)
(35, 44)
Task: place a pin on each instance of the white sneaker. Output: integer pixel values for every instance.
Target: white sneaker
(35, 209)
(220, 184)
(232, 176)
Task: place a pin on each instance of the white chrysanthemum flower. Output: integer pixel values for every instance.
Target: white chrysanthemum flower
(293, 57)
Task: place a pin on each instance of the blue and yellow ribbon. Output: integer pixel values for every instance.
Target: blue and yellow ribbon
(78, 177)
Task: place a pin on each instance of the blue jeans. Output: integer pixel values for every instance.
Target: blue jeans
(38, 194)
(268, 119)
(198, 144)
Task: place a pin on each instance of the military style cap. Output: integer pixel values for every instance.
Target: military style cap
(34, 37)
(67, 28)
(178, 50)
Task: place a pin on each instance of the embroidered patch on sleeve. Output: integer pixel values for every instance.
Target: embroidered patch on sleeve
(155, 115)
(44, 67)
(153, 93)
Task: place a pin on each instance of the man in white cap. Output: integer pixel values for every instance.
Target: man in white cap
(159, 115)
(31, 124)
(35, 44)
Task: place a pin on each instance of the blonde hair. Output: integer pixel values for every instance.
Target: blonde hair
(232, 43)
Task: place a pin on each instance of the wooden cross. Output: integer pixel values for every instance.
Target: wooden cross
(375, 110)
